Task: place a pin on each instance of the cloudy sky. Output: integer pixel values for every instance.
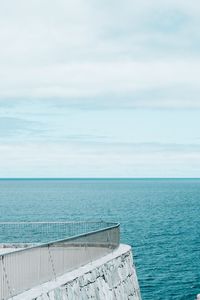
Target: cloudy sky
(99, 88)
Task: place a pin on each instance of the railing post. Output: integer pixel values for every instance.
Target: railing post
(52, 263)
(6, 277)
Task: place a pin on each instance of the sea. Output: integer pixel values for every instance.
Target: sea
(160, 219)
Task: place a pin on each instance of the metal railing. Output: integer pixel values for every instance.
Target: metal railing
(50, 249)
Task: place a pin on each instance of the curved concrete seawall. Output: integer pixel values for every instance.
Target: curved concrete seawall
(112, 277)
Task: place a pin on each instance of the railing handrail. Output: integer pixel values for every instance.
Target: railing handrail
(39, 262)
(74, 237)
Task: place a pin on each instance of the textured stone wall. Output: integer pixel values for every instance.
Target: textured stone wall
(110, 278)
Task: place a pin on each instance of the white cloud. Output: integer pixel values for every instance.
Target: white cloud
(60, 57)
(33, 160)
(124, 79)
(100, 49)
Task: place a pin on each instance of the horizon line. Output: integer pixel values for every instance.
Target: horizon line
(93, 178)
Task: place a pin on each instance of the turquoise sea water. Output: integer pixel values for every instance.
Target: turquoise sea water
(159, 218)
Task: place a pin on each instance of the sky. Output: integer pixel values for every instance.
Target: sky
(99, 88)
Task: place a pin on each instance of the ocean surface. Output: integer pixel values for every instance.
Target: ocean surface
(160, 219)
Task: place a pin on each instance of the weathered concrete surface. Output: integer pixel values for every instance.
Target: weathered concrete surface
(112, 277)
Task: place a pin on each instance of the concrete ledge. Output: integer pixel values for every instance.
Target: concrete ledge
(113, 275)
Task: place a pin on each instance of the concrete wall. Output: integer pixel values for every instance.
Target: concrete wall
(113, 277)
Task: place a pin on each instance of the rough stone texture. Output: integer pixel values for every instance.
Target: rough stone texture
(113, 278)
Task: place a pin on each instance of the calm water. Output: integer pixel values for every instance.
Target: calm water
(159, 218)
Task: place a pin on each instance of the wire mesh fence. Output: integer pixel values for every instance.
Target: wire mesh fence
(41, 232)
(52, 249)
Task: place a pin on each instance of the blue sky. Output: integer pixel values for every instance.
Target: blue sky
(99, 88)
